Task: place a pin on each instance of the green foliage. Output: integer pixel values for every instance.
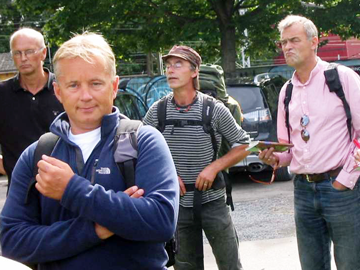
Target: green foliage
(133, 26)
(340, 17)
(9, 16)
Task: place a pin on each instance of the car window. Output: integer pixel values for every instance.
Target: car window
(130, 105)
(271, 93)
(250, 98)
(155, 89)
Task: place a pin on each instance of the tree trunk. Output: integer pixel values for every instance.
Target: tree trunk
(225, 10)
(149, 65)
(228, 50)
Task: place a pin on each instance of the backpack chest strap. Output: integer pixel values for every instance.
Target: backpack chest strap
(183, 122)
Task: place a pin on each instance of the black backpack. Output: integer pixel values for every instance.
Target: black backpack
(128, 128)
(332, 80)
(207, 112)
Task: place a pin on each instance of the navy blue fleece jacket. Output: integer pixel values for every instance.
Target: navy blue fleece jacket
(61, 234)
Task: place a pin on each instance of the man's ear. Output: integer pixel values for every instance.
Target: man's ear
(195, 73)
(314, 42)
(57, 91)
(44, 52)
(115, 85)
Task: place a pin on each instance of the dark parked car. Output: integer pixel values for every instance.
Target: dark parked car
(258, 98)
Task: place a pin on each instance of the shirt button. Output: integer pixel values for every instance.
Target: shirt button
(33, 98)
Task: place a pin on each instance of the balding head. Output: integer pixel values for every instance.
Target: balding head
(30, 33)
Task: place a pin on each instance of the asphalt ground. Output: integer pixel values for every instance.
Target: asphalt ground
(263, 218)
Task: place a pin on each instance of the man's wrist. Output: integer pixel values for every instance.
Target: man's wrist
(276, 164)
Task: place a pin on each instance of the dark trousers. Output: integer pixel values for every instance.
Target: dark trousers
(220, 231)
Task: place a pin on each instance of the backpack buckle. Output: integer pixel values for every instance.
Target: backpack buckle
(180, 123)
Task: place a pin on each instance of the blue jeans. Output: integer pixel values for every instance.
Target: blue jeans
(324, 214)
(220, 231)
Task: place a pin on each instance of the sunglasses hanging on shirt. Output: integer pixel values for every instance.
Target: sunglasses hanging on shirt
(304, 121)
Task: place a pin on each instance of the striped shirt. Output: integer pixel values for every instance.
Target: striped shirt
(191, 147)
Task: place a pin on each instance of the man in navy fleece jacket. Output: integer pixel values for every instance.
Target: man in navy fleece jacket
(79, 215)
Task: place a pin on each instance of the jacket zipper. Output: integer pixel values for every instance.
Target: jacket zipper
(93, 171)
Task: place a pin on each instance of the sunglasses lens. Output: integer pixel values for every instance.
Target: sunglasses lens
(304, 121)
(305, 135)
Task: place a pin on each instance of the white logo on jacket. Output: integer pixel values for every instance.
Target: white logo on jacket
(103, 170)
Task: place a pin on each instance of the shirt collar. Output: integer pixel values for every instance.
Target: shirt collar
(48, 85)
(318, 68)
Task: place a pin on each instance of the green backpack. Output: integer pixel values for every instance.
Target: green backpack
(212, 83)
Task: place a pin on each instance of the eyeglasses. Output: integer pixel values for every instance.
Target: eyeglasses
(27, 53)
(304, 121)
(176, 65)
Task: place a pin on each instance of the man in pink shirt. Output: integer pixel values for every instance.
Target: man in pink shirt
(326, 188)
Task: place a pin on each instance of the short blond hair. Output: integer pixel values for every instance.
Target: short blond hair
(86, 46)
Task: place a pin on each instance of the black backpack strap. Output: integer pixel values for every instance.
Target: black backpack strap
(287, 99)
(161, 113)
(207, 112)
(45, 146)
(208, 107)
(228, 188)
(197, 222)
(127, 167)
(172, 248)
(222, 177)
(334, 84)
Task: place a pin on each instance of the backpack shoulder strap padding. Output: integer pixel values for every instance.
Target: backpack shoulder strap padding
(126, 148)
(161, 113)
(208, 108)
(334, 84)
(207, 113)
(128, 126)
(45, 146)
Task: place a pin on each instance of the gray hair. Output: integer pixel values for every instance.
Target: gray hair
(309, 27)
(26, 31)
(86, 46)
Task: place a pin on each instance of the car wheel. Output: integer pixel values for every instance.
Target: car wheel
(283, 174)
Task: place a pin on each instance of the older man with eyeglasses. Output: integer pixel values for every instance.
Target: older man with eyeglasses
(27, 101)
(326, 186)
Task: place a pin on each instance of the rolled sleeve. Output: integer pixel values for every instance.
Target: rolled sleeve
(348, 179)
(348, 176)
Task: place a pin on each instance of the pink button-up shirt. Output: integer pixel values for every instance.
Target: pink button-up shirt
(329, 146)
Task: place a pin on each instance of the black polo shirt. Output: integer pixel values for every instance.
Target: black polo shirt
(24, 117)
